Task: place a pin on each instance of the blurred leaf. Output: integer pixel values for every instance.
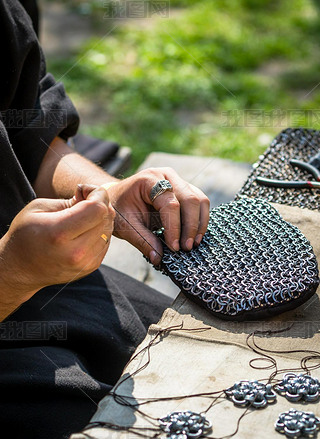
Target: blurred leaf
(162, 84)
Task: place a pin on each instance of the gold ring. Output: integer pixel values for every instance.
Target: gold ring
(105, 238)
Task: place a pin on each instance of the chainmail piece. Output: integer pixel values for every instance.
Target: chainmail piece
(300, 387)
(254, 393)
(185, 425)
(251, 263)
(295, 424)
(299, 143)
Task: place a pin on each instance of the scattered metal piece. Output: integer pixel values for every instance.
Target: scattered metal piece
(185, 425)
(299, 387)
(295, 424)
(244, 393)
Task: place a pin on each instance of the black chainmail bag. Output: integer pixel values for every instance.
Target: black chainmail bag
(250, 264)
(292, 143)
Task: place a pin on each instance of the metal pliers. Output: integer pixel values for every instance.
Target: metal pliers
(312, 167)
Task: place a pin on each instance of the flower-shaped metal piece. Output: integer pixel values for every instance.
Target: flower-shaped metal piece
(244, 393)
(295, 424)
(299, 388)
(185, 425)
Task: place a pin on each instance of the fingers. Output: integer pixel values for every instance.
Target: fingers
(169, 209)
(55, 205)
(204, 220)
(190, 212)
(149, 245)
(83, 191)
(80, 218)
(85, 251)
(204, 215)
(67, 236)
(184, 212)
(49, 205)
(69, 221)
(195, 207)
(89, 249)
(138, 234)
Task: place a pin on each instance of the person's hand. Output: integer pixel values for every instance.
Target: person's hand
(55, 241)
(184, 212)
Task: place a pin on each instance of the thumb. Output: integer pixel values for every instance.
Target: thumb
(91, 192)
(99, 194)
(83, 191)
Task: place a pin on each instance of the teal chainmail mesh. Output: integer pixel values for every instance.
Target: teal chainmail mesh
(250, 263)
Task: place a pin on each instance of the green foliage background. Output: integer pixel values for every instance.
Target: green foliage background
(215, 78)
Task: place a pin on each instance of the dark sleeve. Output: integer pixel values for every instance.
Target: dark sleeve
(32, 9)
(15, 190)
(34, 107)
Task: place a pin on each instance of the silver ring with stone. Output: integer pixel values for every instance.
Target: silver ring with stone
(160, 188)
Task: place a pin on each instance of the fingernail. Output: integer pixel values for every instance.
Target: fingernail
(198, 239)
(189, 243)
(154, 258)
(176, 245)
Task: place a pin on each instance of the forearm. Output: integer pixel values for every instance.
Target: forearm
(62, 169)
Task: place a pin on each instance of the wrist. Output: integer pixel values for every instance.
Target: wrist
(15, 288)
(12, 297)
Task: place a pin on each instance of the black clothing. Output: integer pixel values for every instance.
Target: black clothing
(53, 373)
(63, 349)
(34, 109)
(32, 9)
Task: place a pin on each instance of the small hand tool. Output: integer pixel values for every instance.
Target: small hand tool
(312, 167)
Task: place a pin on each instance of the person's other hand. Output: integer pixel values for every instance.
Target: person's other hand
(184, 212)
(56, 241)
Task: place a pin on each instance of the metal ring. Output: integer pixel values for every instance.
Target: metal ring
(105, 238)
(159, 188)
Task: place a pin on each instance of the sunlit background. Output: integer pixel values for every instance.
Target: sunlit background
(203, 77)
